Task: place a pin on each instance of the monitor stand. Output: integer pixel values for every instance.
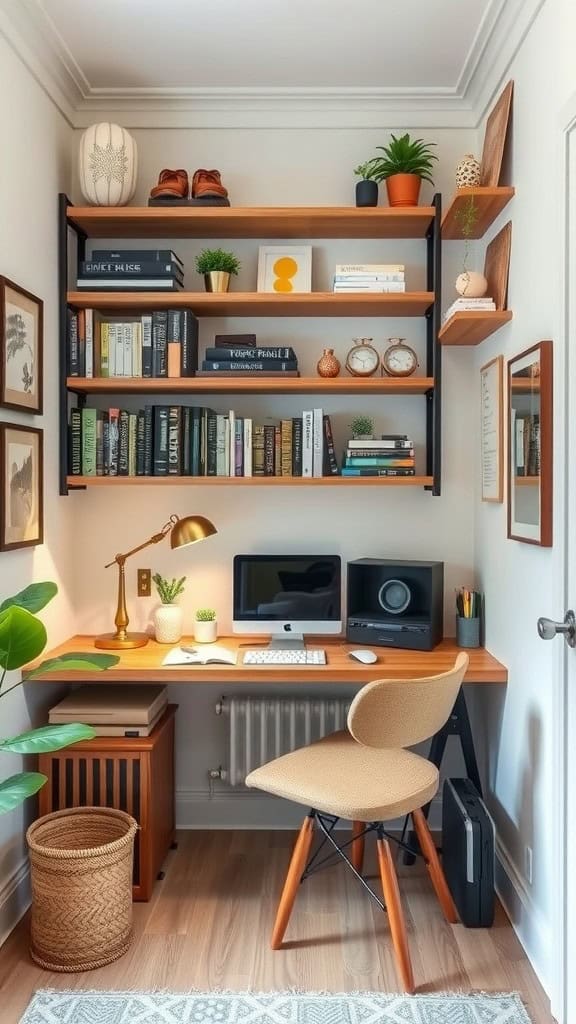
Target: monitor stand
(286, 642)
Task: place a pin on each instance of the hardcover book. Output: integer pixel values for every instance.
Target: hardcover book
(258, 449)
(189, 340)
(174, 440)
(249, 364)
(123, 442)
(318, 443)
(140, 443)
(119, 255)
(297, 446)
(286, 452)
(282, 352)
(269, 445)
(88, 442)
(235, 340)
(75, 449)
(307, 443)
(330, 466)
(148, 440)
(73, 362)
(147, 345)
(161, 416)
(114, 436)
(160, 343)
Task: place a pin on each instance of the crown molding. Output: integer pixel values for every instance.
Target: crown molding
(34, 37)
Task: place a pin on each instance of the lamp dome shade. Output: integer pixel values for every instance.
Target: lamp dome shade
(189, 529)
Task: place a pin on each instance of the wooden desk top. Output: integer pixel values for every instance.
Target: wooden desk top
(144, 665)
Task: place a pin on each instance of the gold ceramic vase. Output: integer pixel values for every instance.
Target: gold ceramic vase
(217, 281)
(328, 365)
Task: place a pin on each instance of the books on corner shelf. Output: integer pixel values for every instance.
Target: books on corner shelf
(369, 277)
(131, 270)
(159, 344)
(464, 304)
(265, 361)
(389, 455)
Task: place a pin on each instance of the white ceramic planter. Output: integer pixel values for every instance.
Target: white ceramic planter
(168, 623)
(205, 632)
(108, 165)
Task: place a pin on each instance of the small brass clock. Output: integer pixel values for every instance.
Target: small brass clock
(362, 359)
(399, 360)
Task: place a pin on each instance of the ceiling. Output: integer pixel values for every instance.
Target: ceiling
(420, 45)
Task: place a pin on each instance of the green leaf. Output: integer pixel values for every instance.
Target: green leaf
(76, 662)
(48, 737)
(15, 790)
(33, 598)
(22, 637)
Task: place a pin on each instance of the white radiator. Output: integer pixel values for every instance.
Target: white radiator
(260, 730)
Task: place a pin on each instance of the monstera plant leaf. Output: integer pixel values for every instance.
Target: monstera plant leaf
(33, 598)
(79, 661)
(47, 738)
(15, 790)
(22, 637)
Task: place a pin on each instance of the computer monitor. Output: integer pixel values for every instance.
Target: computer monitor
(287, 596)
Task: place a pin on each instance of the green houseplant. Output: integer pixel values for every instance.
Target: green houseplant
(22, 640)
(405, 165)
(367, 187)
(205, 626)
(217, 266)
(168, 618)
(362, 426)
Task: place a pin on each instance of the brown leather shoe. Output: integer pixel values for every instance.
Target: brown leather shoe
(207, 183)
(171, 183)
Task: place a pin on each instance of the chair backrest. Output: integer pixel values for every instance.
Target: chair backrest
(401, 713)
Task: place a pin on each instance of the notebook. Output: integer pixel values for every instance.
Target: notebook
(212, 654)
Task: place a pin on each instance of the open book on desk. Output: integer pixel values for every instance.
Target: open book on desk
(211, 654)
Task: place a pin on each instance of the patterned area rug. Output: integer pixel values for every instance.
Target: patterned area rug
(50, 1006)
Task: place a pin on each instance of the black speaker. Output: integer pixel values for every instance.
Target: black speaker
(395, 604)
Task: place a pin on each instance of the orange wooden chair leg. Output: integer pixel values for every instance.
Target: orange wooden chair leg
(395, 914)
(295, 871)
(435, 870)
(357, 855)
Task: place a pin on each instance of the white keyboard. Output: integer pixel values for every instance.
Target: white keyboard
(307, 657)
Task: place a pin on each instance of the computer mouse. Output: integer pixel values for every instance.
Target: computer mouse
(366, 657)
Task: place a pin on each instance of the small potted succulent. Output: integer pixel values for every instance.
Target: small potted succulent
(205, 626)
(362, 427)
(405, 165)
(168, 618)
(217, 266)
(367, 187)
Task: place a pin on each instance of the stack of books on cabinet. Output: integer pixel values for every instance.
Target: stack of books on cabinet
(389, 455)
(269, 361)
(131, 270)
(369, 277)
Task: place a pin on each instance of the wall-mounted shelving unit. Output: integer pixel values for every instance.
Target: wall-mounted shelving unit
(488, 203)
(421, 222)
(472, 326)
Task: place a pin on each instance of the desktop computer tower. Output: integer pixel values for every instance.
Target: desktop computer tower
(395, 604)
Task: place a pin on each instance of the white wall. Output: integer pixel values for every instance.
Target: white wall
(34, 167)
(522, 582)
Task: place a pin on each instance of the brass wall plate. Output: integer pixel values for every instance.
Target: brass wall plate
(144, 582)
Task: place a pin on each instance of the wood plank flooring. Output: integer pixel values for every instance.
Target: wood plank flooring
(208, 926)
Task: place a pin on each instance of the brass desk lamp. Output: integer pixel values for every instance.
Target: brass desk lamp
(182, 531)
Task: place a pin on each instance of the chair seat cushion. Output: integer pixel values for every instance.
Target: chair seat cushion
(339, 776)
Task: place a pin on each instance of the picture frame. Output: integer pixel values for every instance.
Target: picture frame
(495, 138)
(21, 348)
(22, 486)
(530, 445)
(492, 430)
(285, 269)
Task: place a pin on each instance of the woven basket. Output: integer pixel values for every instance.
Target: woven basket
(81, 871)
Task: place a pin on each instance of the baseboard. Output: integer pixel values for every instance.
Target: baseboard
(528, 921)
(14, 899)
(245, 809)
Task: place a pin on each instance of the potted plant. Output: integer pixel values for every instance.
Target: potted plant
(362, 427)
(367, 187)
(217, 266)
(469, 283)
(168, 618)
(405, 165)
(22, 639)
(205, 626)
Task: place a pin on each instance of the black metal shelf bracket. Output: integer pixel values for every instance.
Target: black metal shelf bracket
(433, 349)
(64, 226)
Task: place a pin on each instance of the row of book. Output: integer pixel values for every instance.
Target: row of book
(526, 444)
(464, 304)
(389, 455)
(369, 277)
(267, 361)
(131, 270)
(163, 343)
(185, 441)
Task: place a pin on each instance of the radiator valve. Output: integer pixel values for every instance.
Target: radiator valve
(213, 774)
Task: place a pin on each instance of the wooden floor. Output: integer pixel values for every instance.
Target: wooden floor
(208, 926)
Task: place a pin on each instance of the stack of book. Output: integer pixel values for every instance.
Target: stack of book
(463, 304)
(183, 441)
(369, 277)
(269, 361)
(390, 455)
(131, 270)
(158, 344)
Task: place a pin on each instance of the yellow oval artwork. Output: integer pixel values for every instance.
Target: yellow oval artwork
(284, 268)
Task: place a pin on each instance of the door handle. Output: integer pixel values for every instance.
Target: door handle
(548, 629)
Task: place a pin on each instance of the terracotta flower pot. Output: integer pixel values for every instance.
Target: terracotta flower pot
(403, 189)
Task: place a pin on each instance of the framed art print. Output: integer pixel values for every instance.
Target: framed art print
(285, 268)
(21, 493)
(491, 429)
(21, 346)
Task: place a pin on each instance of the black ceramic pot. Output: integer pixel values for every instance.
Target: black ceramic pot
(366, 193)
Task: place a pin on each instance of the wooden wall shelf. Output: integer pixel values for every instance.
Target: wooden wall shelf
(489, 203)
(471, 327)
(250, 385)
(251, 481)
(259, 303)
(251, 222)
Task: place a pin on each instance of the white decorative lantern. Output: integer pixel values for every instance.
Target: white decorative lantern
(108, 164)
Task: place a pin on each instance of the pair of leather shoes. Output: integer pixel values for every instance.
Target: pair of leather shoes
(175, 185)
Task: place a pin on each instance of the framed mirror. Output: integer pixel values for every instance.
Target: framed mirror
(530, 445)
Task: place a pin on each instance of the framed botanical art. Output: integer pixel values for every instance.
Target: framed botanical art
(21, 348)
(491, 429)
(21, 492)
(285, 268)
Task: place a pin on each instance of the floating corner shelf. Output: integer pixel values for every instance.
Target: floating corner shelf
(488, 202)
(470, 327)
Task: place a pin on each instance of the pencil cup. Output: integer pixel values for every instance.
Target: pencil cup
(467, 632)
